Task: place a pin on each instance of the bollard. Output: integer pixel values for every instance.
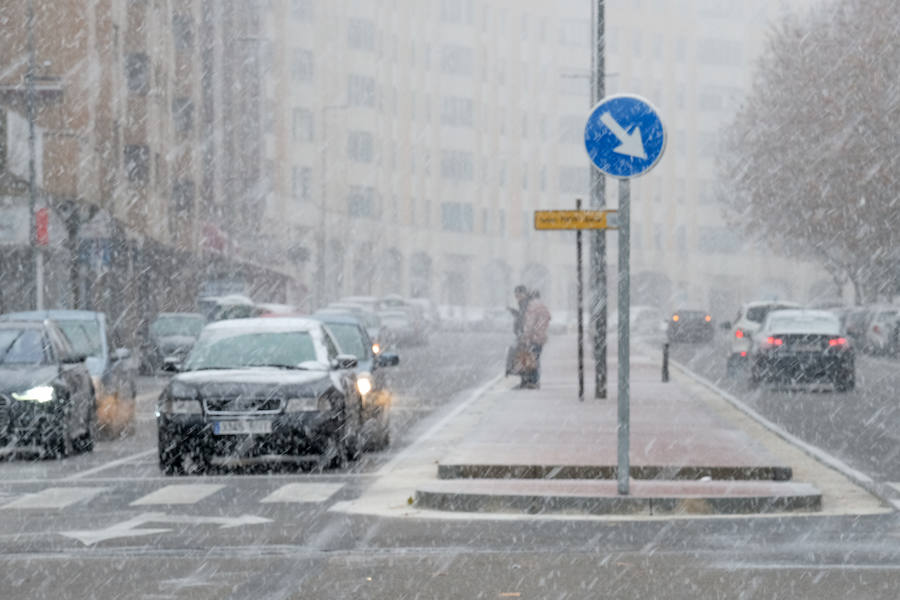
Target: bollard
(665, 365)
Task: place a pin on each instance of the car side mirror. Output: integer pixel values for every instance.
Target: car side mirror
(344, 361)
(73, 358)
(388, 359)
(122, 354)
(171, 365)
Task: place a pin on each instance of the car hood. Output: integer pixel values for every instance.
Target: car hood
(18, 379)
(254, 381)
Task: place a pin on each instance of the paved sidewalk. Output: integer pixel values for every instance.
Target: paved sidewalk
(543, 451)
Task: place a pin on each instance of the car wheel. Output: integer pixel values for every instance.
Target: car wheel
(85, 443)
(755, 377)
(845, 383)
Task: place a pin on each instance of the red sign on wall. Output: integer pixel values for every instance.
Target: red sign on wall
(41, 222)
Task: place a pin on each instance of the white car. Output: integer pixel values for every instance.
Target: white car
(748, 321)
(881, 332)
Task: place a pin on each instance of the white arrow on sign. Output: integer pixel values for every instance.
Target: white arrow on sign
(631, 143)
(129, 528)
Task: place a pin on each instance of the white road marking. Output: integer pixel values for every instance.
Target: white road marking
(179, 494)
(129, 528)
(110, 465)
(303, 492)
(55, 497)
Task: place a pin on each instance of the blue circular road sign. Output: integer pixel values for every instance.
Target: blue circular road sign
(624, 136)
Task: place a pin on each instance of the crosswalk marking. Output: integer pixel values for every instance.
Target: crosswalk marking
(179, 494)
(303, 492)
(55, 497)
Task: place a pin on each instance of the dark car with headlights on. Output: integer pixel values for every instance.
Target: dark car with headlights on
(690, 326)
(47, 401)
(263, 390)
(170, 338)
(350, 333)
(797, 346)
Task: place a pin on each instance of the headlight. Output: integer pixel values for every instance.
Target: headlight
(363, 384)
(39, 393)
(295, 405)
(376, 348)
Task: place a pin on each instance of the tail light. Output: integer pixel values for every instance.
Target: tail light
(837, 342)
(675, 318)
(739, 333)
(772, 342)
(876, 329)
(708, 318)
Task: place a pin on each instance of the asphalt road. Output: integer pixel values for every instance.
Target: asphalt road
(108, 525)
(861, 427)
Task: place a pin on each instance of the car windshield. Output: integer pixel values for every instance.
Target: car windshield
(273, 349)
(177, 325)
(84, 335)
(758, 313)
(349, 339)
(22, 347)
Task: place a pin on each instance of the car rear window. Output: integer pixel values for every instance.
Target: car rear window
(758, 313)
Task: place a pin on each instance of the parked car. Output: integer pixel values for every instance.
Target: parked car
(881, 330)
(170, 337)
(686, 325)
(113, 367)
(749, 319)
(47, 400)
(854, 322)
(430, 310)
(399, 328)
(802, 346)
(374, 326)
(275, 389)
(350, 333)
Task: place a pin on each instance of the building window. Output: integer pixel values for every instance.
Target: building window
(681, 240)
(182, 31)
(183, 114)
(574, 180)
(724, 53)
(137, 73)
(301, 178)
(718, 240)
(302, 65)
(457, 60)
(361, 201)
(575, 32)
(457, 165)
(360, 146)
(183, 196)
(361, 90)
(137, 162)
(302, 10)
(457, 217)
(361, 34)
(457, 112)
(303, 125)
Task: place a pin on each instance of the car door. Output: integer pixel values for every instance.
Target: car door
(76, 379)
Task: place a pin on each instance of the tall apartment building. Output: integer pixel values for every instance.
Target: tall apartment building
(414, 140)
(419, 137)
(150, 117)
(694, 61)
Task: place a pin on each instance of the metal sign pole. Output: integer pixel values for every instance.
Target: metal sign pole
(624, 304)
(579, 284)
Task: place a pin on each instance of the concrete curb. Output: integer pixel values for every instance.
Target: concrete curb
(601, 497)
(879, 490)
(644, 472)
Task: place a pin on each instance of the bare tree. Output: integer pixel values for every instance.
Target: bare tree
(811, 160)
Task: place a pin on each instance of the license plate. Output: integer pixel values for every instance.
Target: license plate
(807, 348)
(242, 427)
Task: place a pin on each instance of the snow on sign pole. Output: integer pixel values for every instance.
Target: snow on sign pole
(625, 138)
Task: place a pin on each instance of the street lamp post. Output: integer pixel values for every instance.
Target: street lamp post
(30, 100)
(322, 237)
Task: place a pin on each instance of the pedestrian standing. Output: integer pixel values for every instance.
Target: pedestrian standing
(534, 336)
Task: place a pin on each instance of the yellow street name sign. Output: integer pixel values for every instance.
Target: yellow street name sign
(574, 219)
